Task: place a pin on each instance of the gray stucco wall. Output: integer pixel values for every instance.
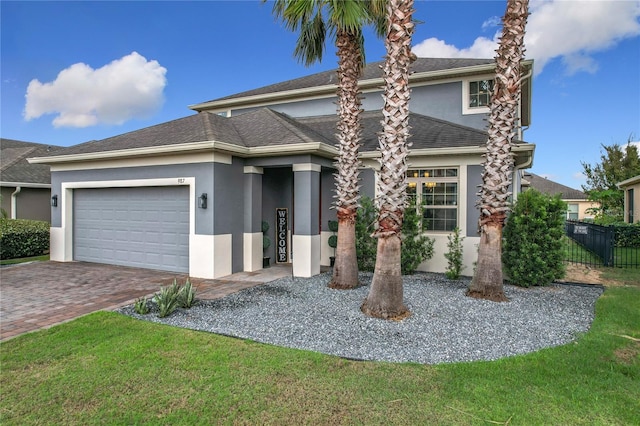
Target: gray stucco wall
(474, 180)
(443, 101)
(31, 203)
(306, 189)
(327, 192)
(227, 205)
(368, 182)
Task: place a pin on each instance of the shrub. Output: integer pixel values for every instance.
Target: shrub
(366, 245)
(416, 247)
(23, 238)
(627, 235)
(141, 307)
(167, 299)
(454, 255)
(532, 251)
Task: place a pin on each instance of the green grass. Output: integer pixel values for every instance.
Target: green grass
(622, 276)
(44, 257)
(106, 368)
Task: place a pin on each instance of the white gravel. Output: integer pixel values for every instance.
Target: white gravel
(444, 326)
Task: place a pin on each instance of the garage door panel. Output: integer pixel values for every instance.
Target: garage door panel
(143, 227)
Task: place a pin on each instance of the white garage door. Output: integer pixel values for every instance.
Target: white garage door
(145, 227)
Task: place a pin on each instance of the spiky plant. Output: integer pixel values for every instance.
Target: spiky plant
(487, 282)
(385, 298)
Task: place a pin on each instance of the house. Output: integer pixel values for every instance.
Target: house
(189, 195)
(25, 188)
(631, 188)
(578, 204)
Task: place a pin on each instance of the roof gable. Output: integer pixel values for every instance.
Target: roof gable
(14, 167)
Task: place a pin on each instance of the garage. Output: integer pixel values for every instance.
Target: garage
(144, 227)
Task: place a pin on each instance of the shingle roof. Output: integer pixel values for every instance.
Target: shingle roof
(371, 71)
(426, 132)
(265, 127)
(14, 166)
(550, 187)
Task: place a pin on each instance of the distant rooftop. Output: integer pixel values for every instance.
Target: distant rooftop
(550, 187)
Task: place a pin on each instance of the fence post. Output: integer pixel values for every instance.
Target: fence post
(609, 240)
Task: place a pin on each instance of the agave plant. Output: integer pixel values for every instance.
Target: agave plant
(167, 299)
(187, 295)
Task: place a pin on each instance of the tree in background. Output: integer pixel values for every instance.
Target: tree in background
(487, 282)
(343, 20)
(616, 164)
(385, 298)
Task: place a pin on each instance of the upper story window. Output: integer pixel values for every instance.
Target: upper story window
(476, 95)
(436, 190)
(480, 93)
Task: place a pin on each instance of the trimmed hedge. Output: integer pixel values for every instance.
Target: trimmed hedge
(532, 250)
(23, 238)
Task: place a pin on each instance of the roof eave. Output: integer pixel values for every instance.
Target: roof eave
(630, 181)
(522, 150)
(317, 148)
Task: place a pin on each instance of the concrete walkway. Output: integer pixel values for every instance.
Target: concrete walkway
(42, 294)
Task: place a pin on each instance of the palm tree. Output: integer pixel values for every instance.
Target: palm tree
(498, 166)
(345, 20)
(385, 298)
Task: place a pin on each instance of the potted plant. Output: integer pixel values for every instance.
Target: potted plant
(266, 243)
(333, 240)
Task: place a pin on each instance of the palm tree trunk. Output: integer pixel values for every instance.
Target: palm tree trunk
(385, 299)
(487, 282)
(345, 269)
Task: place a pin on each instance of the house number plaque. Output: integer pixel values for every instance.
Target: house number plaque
(282, 219)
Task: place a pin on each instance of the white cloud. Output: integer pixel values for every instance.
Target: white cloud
(579, 176)
(570, 30)
(129, 87)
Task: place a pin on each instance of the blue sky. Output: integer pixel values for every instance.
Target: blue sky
(78, 71)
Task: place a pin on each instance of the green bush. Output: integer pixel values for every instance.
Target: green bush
(532, 251)
(454, 255)
(416, 247)
(627, 235)
(366, 245)
(23, 238)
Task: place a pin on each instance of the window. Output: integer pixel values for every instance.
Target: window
(480, 93)
(437, 191)
(572, 212)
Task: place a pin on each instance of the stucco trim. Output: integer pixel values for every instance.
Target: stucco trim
(306, 255)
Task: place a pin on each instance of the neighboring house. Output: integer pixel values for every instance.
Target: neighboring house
(25, 188)
(578, 204)
(189, 195)
(631, 188)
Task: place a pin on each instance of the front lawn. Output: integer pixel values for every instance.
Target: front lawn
(107, 368)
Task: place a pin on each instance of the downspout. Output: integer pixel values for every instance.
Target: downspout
(527, 164)
(14, 201)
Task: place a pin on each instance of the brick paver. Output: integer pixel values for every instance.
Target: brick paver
(42, 294)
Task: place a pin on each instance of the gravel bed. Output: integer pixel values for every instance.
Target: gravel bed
(445, 326)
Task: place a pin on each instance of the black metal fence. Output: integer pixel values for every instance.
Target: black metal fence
(598, 245)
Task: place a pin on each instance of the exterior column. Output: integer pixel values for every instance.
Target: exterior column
(252, 236)
(306, 215)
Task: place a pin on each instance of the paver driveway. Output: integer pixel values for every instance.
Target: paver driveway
(41, 294)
